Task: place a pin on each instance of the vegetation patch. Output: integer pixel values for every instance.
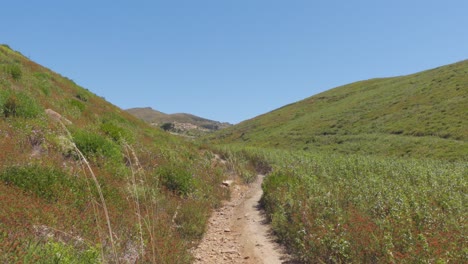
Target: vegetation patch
(43, 82)
(14, 70)
(18, 104)
(80, 106)
(335, 208)
(94, 145)
(58, 252)
(115, 132)
(46, 182)
(177, 179)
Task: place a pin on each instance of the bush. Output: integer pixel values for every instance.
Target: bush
(11, 106)
(92, 144)
(82, 96)
(18, 104)
(77, 104)
(114, 131)
(176, 179)
(45, 182)
(15, 71)
(58, 252)
(167, 126)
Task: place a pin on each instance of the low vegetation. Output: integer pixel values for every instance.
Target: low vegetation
(334, 208)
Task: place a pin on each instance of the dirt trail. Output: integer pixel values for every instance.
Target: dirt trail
(238, 233)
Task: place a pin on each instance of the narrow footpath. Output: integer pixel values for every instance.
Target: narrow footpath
(238, 231)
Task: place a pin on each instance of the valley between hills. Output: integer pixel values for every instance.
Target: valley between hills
(371, 172)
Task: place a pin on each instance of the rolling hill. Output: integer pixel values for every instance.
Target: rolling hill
(418, 115)
(82, 181)
(182, 122)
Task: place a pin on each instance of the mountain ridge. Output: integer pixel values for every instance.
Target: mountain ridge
(181, 122)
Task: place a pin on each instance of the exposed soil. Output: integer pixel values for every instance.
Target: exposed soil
(238, 231)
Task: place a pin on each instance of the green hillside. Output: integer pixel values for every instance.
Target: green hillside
(419, 115)
(82, 181)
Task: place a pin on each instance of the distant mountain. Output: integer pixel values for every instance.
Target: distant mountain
(419, 115)
(179, 123)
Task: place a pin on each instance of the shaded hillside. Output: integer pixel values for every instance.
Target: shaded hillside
(182, 123)
(419, 115)
(82, 180)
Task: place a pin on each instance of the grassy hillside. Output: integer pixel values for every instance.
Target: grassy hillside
(419, 115)
(83, 181)
(181, 123)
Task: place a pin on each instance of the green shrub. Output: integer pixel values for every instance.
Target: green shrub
(15, 71)
(116, 132)
(77, 104)
(58, 252)
(42, 76)
(82, 96)
(45, 182)
(167, 126)
(176, 179)
(93, 144)
(18, 104)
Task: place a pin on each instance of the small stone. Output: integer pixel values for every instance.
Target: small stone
(227, 183)
(227, 230)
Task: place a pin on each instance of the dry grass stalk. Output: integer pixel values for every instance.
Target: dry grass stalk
(101, 196)
(135, 195)
(147, 221)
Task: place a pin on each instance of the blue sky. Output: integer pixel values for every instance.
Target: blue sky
(231, 60)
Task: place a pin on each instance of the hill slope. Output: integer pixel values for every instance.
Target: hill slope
(420, 115)
(82, 180)
(181, 122)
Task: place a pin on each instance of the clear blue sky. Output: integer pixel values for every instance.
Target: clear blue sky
(230, 60)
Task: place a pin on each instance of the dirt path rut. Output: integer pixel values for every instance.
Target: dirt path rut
(238, 233)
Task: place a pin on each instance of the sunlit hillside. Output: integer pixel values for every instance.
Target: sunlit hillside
(82, 181)
(419, 115)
